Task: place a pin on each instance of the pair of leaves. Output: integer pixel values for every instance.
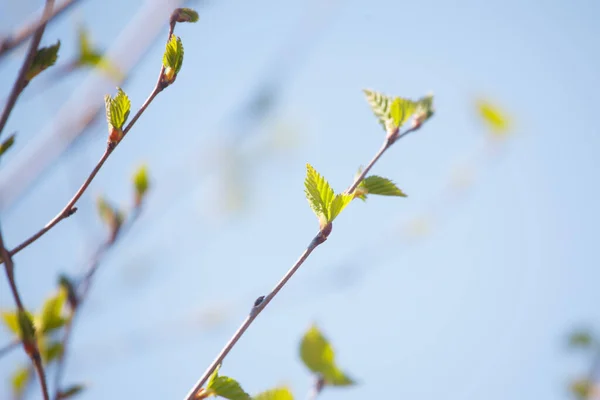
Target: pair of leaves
(224, 386)
(393, 112)
(324, 202)
(117, 109)
(173, 58)
(318, 355)
(44, 58)
(377, 185)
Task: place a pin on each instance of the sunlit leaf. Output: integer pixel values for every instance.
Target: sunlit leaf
(493, 116)
(117, 109)
(318, 193)
(19, 380)
(317, 354)
(339, 202)
(11, 321)
(378, 185)
(141, 183)
(380, 105)
(51, 318)
(281, 393)
(173, 58)
(45, 57)
(401, 110)
(226, 387)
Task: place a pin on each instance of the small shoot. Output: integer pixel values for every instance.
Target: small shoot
(172, 60)
(222, 386)
(44, 58)
(318, 355)
(111, 216)
(324, 202)
(7, 144)
(117, 111)
(280, 393)
(141, 184)
(391, 112)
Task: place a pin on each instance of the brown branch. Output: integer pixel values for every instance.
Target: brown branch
(20, 81)
(263, 301)
(28, 29)
(31, 347)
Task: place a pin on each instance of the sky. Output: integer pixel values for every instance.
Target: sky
(480, 303)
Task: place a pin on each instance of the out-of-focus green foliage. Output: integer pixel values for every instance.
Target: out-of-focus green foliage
(45, 57)
(281, 393)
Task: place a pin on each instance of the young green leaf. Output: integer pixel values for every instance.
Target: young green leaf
(69, 392)
(281, 393)
(381, 106)
(400, 111)
(45, 57)
(173, 58)
(117, 109)
(51, 317)
(186, 15)
(318, 193)
(226, 387)
(339, 202)
(7, 143)
(112, 217)
(141, 183)
(11, 321)
(495, 118)
(19, 380)
(424, 110)
(377, 185)
(317, 354)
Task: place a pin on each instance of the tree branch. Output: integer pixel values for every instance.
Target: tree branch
(263, 301)
(20, 81)
(31, 347)
(28, 29)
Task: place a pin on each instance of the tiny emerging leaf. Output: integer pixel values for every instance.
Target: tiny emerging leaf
(141, 183)
(173, 58)
(111, 216)
(281, 393)
(7, 143)
(45, 57)
(496, 119)
(51, 317)
(226, 387)
(117, 109)
(185, 15)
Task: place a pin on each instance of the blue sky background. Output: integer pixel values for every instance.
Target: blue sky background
(478, 306)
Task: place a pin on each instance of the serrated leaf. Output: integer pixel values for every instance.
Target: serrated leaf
(378, 185)
(317, 354)
(339, 202)
(226, 387)
(495, 119)
(26, 326)
(401, 110)
(45, 57)
(380, 105)
(186, 15)
(173, 57)
(51, 317)
(71, 391)
(318, 193)
(8, 142)
(281, 393)
(141, 183)
(11, 321)
(117, 109)
(19, 380)
(51, 351)
(581, 339)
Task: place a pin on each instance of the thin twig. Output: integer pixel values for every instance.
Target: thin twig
(9, 347)
(262, 302)
(20, 81)
(82, 290)
(24, 32)
(70, 208)
(31, 347)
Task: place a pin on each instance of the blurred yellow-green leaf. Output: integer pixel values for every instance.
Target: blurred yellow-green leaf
(141, 183)
(11, 321)
(226, 387)
(496, 119)
(582, 339)
(91, 57)
(45, 57)
(69, 392)
(281, 393)
(581, 388)
(7, 144)
(51, 317)
(19, 380)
